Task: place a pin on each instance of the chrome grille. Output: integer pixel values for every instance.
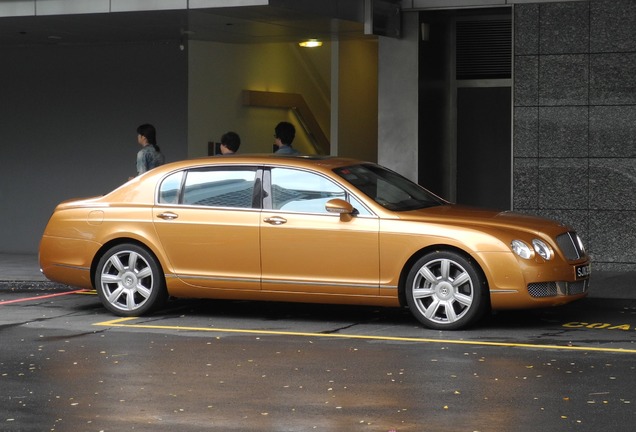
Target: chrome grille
(578, 287)
(570, 246)
(554, 289)
(543, 289)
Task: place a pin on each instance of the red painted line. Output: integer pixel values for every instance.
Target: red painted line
(41, 297)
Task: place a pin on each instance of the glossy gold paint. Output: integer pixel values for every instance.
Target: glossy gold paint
(335, 258)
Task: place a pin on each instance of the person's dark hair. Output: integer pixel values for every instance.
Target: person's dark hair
(147, 130)
(231, 140)
(286, 132)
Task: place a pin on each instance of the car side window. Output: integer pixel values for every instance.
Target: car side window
(169, 190)
(361, 209)
(220, 187)
(301, 191)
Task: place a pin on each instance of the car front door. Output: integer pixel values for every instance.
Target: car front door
(307, 250)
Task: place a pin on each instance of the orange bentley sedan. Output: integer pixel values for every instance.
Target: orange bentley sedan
(308, 229)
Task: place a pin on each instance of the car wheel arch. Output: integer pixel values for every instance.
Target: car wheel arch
(408, 265)
(116, 242)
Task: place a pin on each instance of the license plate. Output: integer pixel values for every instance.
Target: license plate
(583, 271)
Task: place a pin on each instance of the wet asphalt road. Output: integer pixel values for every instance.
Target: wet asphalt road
(68, 365)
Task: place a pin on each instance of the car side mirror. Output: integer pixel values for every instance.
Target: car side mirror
(339, 206)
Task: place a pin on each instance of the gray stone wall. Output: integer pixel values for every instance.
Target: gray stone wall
(575, 121)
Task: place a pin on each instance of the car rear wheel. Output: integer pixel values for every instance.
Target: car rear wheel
(129, 281)
(445, 291)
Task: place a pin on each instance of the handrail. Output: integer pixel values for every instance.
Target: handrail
(299, 107)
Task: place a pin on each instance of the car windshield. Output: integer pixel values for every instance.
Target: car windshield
(387, 188)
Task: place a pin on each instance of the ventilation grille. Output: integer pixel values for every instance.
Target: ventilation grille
(556, 289)
(570, 246)
(484, 49)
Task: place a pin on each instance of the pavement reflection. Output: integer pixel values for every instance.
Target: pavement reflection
(66, 364)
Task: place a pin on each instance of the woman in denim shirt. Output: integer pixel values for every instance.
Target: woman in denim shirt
(150, 155)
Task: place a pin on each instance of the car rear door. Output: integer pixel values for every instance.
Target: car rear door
(209, 227)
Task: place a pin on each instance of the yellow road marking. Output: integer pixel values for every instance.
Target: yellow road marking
(123, 322)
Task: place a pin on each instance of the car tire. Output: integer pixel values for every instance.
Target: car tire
(446, 291)
(129, 281)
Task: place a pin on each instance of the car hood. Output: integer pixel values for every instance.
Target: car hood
(453, 214)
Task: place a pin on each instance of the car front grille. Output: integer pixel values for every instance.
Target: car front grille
(569, 245)
(555, 289)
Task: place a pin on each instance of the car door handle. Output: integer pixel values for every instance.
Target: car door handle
(168, 216)
(275, 220)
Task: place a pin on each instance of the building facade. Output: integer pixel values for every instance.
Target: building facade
(556, 136)
(573, 116)
(575, 121)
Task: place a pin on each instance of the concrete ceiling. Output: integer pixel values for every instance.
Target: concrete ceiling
(250, 24)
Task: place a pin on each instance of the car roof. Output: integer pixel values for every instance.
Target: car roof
(308, 161)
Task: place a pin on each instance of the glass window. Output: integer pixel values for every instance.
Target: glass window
(301, 191)
(224, 187)
(388, 188)
(169, 190)
(361, 209)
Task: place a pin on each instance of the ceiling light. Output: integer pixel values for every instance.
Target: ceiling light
(310, 43)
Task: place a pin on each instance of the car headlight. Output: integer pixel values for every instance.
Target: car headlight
(521, 249)
(542, 249)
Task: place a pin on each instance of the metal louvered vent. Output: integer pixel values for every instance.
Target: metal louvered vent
(569, 245)
(556, 289)
(484, 49)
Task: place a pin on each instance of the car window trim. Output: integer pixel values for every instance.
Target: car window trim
(262, 176)
(256, 193)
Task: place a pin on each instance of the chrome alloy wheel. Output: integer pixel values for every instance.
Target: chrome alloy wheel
(444, 291)
(128, 281)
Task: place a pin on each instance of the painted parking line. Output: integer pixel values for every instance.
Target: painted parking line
(599, 326)
(126, 322)
(34, 298)
(87, 291)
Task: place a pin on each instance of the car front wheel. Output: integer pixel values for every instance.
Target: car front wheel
(129, 281)
(445, 291)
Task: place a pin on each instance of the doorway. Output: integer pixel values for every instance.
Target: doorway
(465, 101)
